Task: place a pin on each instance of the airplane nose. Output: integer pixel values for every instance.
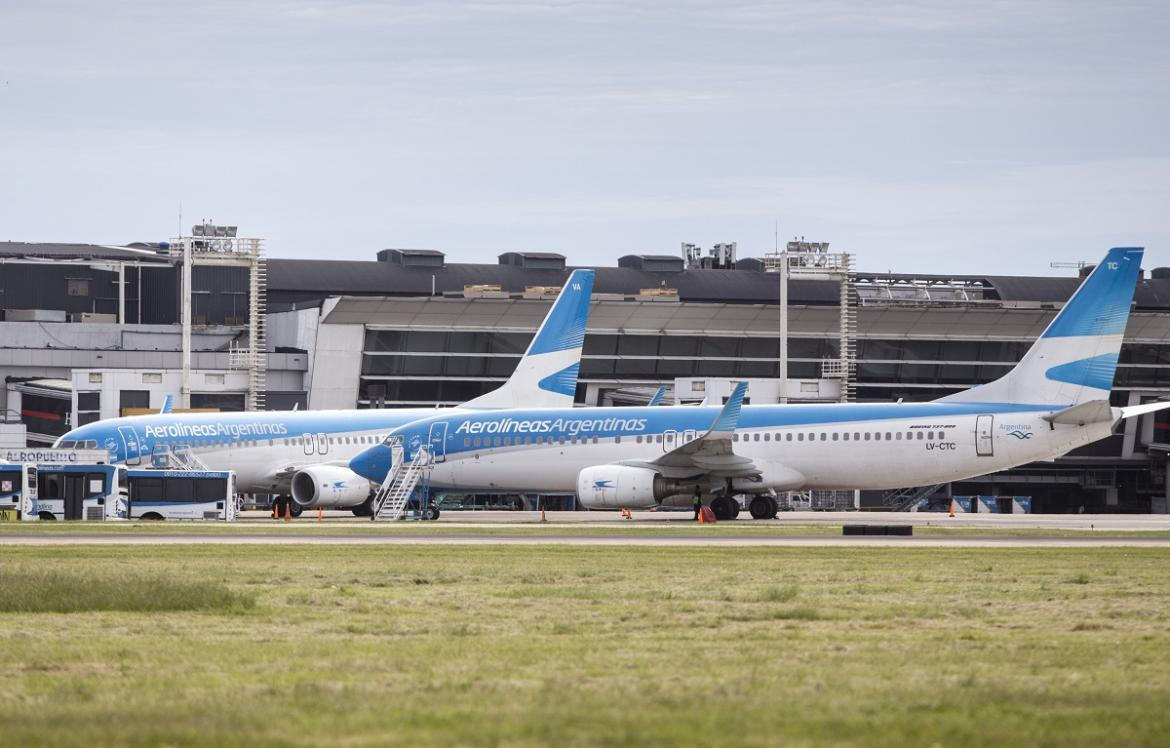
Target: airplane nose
(373, 464)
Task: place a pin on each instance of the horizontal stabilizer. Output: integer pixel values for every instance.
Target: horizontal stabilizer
(1093, 411)
(1141, 410)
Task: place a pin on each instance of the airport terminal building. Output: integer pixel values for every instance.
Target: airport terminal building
(93, 332)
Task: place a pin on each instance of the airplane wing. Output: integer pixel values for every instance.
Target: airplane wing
(712, 454)
(285, 471)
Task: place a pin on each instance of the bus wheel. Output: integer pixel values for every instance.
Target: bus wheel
(430, 512)
(762, 507)
(296, 509)
(152, 517)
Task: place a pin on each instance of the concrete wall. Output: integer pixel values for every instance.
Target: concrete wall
(337, 362)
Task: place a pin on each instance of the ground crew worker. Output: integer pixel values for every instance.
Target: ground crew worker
(698, 504)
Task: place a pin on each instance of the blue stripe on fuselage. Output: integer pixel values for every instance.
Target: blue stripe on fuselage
(608, 422)
(198, 429)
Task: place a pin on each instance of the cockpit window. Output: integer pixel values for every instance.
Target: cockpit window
(67, 445)
(391, 440)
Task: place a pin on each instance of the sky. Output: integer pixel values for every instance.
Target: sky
(935, 137)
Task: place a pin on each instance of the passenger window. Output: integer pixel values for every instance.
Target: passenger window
(856, 436)
(800, 437)
(824, 436)
(836, 436)
(767, 437)
(845, 436)
(788, 437)
(930, 435)
(476, 442)
(867, 436)
(898, 435)
(467, 441)
(617, 440)
(920, 436)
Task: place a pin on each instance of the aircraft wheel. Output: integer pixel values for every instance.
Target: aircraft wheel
(430, 512)
(762, 507)
(733, 507)
(721, 508)
(296, 508)
(364, 509)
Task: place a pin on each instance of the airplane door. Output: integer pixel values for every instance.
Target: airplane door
(131, 444)
(984, 433)
(307, 439)
(669, 440)
(323, 444)
(438, 441)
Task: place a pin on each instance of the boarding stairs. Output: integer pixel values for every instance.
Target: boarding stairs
(400, 483)
(178, 457)
(906, 499)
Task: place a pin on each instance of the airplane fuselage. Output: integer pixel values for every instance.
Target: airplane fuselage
(839, 446)
(258, 446)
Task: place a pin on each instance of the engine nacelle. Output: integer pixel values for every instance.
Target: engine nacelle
(622, 486)
(328, 486)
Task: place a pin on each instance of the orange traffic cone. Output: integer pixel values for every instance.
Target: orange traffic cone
(700, 515)
(288, 511)
(320, 514)
(952, 513)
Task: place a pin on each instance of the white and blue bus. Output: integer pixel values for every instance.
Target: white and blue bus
(80, 491)
(182, 494)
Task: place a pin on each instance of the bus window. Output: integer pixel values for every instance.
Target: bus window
(210, 489)
(147, 489)
(179, 489)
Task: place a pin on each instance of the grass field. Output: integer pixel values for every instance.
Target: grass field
(560, 526)
(299, 645)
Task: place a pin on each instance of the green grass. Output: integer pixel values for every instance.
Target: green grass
(35, 590)
(534, 645)
(563, 525)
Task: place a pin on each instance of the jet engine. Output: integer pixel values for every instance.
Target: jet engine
(328, 486)
(623, 486)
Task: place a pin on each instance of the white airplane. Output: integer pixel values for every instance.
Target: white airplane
(1054, 400)
(305, 453)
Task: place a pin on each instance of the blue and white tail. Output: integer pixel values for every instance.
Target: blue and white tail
(547, 375)
(1075, 359)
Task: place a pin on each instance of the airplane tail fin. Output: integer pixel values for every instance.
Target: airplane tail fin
(1075, 359)
(546, 376)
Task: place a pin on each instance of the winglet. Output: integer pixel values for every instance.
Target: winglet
(658, 397)
(167, 403)
(729, 416)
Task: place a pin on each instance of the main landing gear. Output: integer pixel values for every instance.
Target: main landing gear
(763, 507)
